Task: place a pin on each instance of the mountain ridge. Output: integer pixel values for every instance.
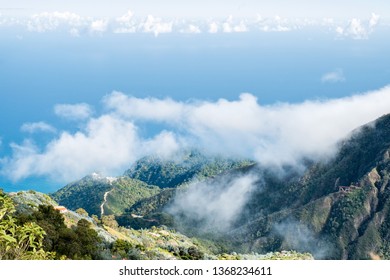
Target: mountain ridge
(336, 206)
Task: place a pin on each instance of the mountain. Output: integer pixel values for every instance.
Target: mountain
(147, 177)
(189, 165)
(337, 208)
(74, 235)
(103, 195)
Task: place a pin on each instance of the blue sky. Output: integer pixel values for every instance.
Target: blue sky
(93, 89)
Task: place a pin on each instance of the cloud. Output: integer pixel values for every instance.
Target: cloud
(99, 26)
(191, 29)
(358, 29)
(374, 20)
(297, 236)
(50, 21)
(334, 76)
(127, 23)
(73, 111)
(213, 27)
(275, 24)
(106, 145)
(156, 26)
(213, 206)
(230, 26)
(37, 127)
(273, 135)
(150, 109)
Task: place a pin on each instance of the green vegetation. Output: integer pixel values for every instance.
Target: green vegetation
(87, 193)
(19, 241)
(188, 166)
(125, 193)
(336, 209)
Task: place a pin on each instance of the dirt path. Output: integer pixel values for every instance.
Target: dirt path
(104, 201)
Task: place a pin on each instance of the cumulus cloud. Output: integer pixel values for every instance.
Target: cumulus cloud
(99, 26)
(50, 21)
(333, 77)
(73, 111)
(274, 135)
(275, 24)
(106, 145)
(213, 27)
(230, 26)
(37, 127)
(127, 23)
(374, 20)
(191, 29)
(358, 29)
(156, 26)
(150, 109)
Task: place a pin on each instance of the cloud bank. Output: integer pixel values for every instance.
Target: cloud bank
(127, 23)
(110, 141)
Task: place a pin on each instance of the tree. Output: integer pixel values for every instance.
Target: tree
(109, 220)
(82, 212)
(19, 242)
(88, 239)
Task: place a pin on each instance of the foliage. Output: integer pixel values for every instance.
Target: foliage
(87, 193)
(21, 242)
(188, 166)
(125, 193)
(81, 212)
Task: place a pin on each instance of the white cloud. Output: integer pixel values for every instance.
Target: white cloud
(73, 111)
(273, 135)
(127, 23)
(359, 29)
(213, 207)
(50, 21)
(213, 27)
(99, 26)
(106, 145)
(275, 24)
(230, 26)
(37, 127)
(191, 29)
(374, 20)
(151, 109)
(156, 26)
(334, 76)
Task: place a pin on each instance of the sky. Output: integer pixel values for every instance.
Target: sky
(89, 86)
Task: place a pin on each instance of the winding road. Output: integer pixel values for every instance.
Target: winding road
(104, 201)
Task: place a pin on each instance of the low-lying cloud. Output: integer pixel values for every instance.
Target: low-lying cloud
(110, 141)
(213, 206)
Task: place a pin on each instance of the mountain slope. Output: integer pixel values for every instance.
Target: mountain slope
(167, 173)
(114, 195)
(337, 209)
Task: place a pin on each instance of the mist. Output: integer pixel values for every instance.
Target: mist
(213, 206)
(297, 236)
